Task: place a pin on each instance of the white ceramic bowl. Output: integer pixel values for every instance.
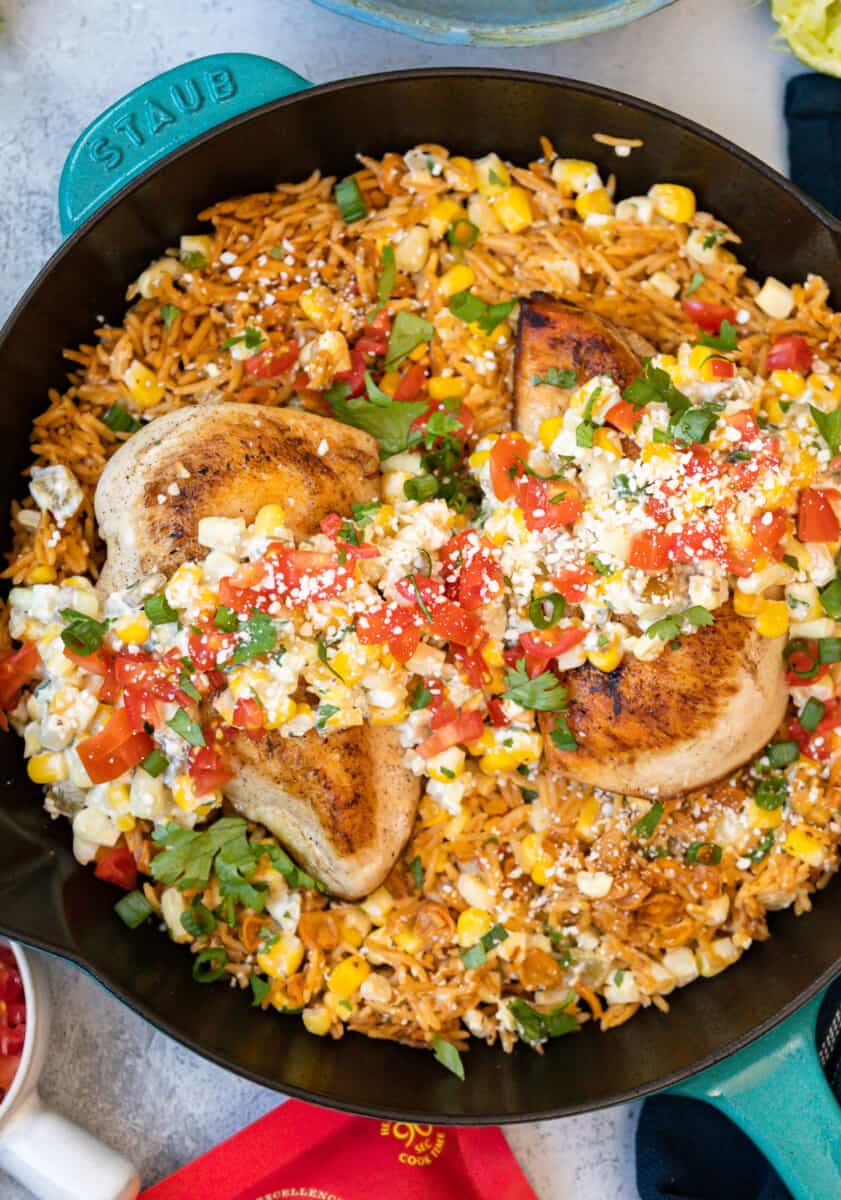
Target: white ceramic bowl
(48, 1154)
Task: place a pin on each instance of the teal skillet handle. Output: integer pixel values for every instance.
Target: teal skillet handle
(777, 1093)
(161, 116)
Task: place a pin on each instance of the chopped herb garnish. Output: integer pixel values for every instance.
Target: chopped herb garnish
(324, 660)
(725, 339)
(780, 754)
(812, 714)
(447, 1055)
(562, 736)
(668, 628)
(159, 610)
(82, 635)
(184, 725)
(771, 793)
(648, 822)
(598, 566)
(655, 386)
(155, 763)
(829, 650)
(762, 847)
(421, 697)
(261, 637)
(193, 260)
(408, 331)
(260, 988)
(708, 853)
(476, 955)
(829, 426)
(323, 714)
(535, 1027)
(470, 308)
(529, 795)
(695, 424)
(187, 686)
(252, 339)
(555, 377)
(695, 282)
(385, 283)
(710, 240)
(280, 860)
(462, 233)
(420, 488)
(120, 420)
(830, 597)
(416, 871)
(277, 253)
(348, 195)
(544, 692)
(133, 909)
(791, 561)
(226, 619)
(198, 920)
(390, 424)
(169, 312)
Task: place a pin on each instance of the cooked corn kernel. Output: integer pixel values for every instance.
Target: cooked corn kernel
(447, 765)
(609, 440)
(773, 410)
(41, 574)
(378, 905)
(462, 172)
(458, 279)
(826, 386)
(319, 305)
(125, 822)
(196, 243)
(804, 845)
(447, 387)
(472, 924)
(47, 768)
(269, 520)
(791, 383)
(590, 203)
(478, 459)
(572, 174)
(389, 716)
(143, 385)
(348, 976)
(746, 605)
(118, 795)
(492, 175)
(513, 207)
(483, 743)
(317, 1020)
(508, 758)
(408, 940)
(590, 811)
(389, 382)
(549, 430)
(534, 858)
(673, 201)
(606, 660)
(283, 957)
(442, 216)
(763, 818)
(657, 450)
(132, 630)
(772, 618)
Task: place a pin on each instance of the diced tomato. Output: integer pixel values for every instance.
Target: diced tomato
(552, 644)
(394, 625)
(572, 582)
(505, 465)
(650, 550)
(97, 663)
(697, 541)
(247, 714)
(152, 676)
(11, 988)
(141, 708)
(11, 1042)
(210, 646)
(816, 519)
(497, 713)
(471, 572)
(271, 362)
(9, 1064)
(355, 377)
(467, 727)
(207, 770)
(708, 317)
(817, 743)
(115, 749)
(472, 665)
(768, 529)
(442, 713)
(17, 667)
(790, 352)
(722, 368)
(411, 383)
(548, 504)
(623, 416)
(745, 423)
(767, 458)
(109, 689)
(117, 865)
(375, 338)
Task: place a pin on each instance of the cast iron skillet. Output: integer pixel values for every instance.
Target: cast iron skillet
(46, 899)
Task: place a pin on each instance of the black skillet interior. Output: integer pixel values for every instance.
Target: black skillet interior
(47, 899)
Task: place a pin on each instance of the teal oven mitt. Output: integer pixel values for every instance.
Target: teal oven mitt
(813, 118)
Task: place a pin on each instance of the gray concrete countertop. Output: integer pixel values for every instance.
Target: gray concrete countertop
(61, 62)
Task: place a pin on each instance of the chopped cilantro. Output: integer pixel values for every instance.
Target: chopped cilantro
(544, 692)
(555, 377)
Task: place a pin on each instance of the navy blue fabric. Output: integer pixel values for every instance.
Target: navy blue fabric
(686, 1150)
(813, 118)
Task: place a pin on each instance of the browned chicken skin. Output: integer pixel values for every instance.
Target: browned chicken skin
(343, 803)
(695, 713)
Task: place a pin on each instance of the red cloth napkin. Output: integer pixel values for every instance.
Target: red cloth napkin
(299, 1152)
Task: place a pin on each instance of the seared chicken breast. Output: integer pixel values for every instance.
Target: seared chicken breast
(342, 803)
(695, 713)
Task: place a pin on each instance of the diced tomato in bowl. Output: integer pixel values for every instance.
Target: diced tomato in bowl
(12, 1019)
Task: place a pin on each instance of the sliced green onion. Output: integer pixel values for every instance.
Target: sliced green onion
(420, 488)
(830, 597)
(83, 635)
(159, 610)
(187, 686)
(829, 650)
(209, 965)
(771, 793)
(447, 1055)
(473, 957)
(708, 853)
(780, 754)
(386, 281)
(416, 871)
(350, 200)
(462, 233)
(155, 764)
(198, 920)
(183, 724)
(169, 312)
(133, 909)
(648, 822)
(538, 616)
(120, 420)
(762, 847)
(800, 646)
(812, 714)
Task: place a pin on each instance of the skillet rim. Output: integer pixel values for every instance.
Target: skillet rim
(562, 84)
